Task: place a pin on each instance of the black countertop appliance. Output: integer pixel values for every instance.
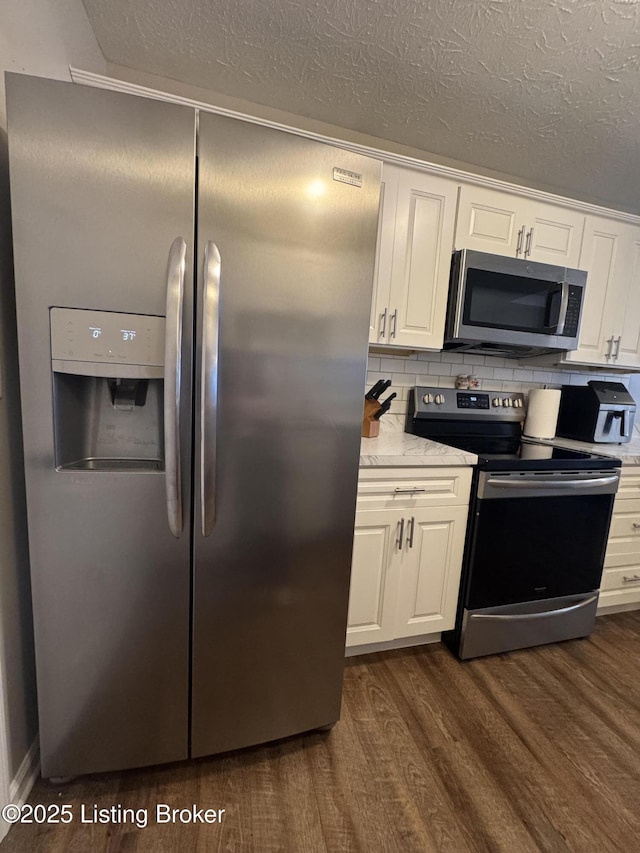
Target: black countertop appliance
(599, 412)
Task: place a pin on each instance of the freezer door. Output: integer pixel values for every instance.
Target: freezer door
(102, 186)
(288, 228)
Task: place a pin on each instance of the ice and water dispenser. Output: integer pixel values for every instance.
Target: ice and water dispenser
(107, 390)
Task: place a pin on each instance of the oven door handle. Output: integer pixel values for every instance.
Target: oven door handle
(522, 617)
(546, 482)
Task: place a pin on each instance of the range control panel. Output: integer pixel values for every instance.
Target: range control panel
(106, 337)
(451, 403)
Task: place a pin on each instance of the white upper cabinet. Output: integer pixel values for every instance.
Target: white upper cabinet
(415, 242)
(506, 224)
(610, 328)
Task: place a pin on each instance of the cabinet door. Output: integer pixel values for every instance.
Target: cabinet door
(488, 221)
(627, 325)
(372, 595)
(429, 571)
(601, 256)
(423, 243)
(379, 322)
(505, 224)
(553, 234)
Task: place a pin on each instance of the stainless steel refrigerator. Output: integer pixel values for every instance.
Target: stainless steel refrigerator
(192, 301)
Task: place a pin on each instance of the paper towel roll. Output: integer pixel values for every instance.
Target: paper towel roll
(542, 413)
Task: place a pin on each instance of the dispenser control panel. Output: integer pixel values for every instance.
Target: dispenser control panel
(106, 337)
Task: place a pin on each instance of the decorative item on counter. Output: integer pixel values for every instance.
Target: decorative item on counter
(542, 413)
(463, 382)
(373, 409)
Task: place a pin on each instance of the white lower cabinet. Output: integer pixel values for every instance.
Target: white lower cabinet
(621, 577)
(407, 553)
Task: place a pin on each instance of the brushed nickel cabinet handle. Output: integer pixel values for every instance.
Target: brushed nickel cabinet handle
(383, 322)
(520, 239)
(400, 534)
(394, 317)
(616, 341)
(412, 525)
(415, 490)
(527, 248)
(608, 353)
(632, 579)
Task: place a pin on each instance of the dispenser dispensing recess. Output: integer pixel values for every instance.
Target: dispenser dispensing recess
(108, 373)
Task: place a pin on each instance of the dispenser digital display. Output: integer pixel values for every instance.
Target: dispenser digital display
(98, 337)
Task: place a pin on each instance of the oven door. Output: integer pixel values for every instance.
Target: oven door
(538, 535)
(534, 559)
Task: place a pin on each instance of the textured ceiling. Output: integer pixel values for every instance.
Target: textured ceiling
(546, 90)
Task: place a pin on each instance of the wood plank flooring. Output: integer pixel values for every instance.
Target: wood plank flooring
(534, 750)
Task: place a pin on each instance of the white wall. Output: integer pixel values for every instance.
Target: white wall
(40, 37)
(44, 37)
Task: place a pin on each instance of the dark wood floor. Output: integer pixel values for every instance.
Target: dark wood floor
(535, 750)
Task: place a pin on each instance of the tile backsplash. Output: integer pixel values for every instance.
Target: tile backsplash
(494, 374)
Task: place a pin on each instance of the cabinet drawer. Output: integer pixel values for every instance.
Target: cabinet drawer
(629, 483)
(626, 520)
(624, 578)
(413, 488)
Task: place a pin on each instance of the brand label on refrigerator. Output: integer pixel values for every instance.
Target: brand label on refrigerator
(347, 177)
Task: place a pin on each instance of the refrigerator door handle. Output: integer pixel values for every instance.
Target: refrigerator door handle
(209, 386)
(172, 381)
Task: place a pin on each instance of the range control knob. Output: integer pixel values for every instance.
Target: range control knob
(495, 401)
(505, 401)
(428, 398)
(517, 402)
(439, 399)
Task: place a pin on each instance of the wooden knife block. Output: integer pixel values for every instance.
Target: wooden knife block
(370, 427)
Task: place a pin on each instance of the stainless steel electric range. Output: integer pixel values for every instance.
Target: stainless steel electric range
(538, 524)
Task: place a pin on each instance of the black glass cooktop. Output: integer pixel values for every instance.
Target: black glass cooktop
(506, 454)
(509, 451)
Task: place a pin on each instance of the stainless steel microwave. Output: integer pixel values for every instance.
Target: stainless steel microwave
(511, 307)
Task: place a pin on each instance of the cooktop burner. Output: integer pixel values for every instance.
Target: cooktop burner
(489, 424)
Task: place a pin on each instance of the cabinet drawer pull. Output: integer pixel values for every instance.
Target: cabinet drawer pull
(632, 579)
(414, 491)
(412, 525)
(635, 525)
(400, 534)
(520, 238)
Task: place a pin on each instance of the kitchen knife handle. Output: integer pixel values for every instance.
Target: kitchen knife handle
(172, 381)
(209, 385)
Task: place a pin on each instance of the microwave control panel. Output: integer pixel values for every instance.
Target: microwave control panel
(106, 337)
(573, 311)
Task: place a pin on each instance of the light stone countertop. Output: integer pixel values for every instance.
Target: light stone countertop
(629, 453)
(396, 448)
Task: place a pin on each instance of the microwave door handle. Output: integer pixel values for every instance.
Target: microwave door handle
(564, 305)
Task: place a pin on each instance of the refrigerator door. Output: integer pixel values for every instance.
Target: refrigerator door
(102, 186)
(289, 228)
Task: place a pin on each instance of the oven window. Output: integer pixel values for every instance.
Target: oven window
(532, 548)
(501, 301)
